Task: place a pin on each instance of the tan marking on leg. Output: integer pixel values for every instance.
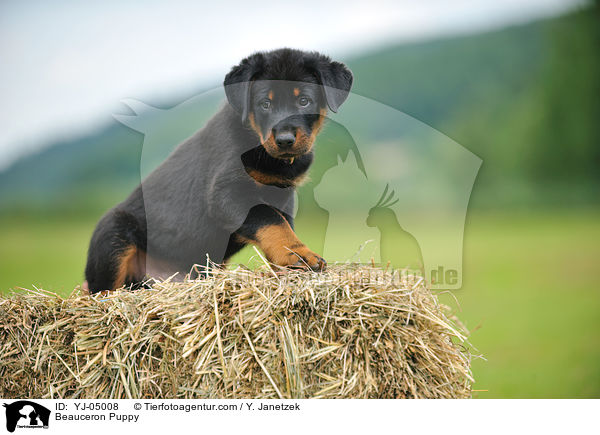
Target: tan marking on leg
(241, 239)
(283, 248)
(131, 264)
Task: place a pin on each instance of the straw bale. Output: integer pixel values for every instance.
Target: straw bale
(350, 332)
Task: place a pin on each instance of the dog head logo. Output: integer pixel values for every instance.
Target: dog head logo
(26, 414)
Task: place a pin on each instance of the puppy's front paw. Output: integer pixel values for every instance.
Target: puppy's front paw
(303, 258)
(283, 248)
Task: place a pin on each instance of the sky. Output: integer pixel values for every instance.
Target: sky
(66, 65)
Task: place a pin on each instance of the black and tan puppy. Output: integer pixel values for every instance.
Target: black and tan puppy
(231, 183)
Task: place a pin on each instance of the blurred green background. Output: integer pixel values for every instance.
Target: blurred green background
(526, 99)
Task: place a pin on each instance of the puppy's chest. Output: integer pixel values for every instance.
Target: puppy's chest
(278, 178)
(267, 171)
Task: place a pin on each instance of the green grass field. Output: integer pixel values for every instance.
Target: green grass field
(529, 294)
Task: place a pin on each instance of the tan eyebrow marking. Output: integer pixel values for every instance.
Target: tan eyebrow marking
(270, 95)
(296, 92)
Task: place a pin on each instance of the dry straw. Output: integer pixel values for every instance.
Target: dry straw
(350, 332)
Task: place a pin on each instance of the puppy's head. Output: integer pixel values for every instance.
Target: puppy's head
(283, 95)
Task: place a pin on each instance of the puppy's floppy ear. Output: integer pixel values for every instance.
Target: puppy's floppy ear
(237, 83)
(336, 79)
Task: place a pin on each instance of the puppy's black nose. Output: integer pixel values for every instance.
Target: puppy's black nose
(285, 139)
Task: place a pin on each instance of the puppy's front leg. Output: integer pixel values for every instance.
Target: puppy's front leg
(270, 230)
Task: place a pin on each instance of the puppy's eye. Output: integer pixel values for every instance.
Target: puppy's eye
(266, 104)
(304, 101)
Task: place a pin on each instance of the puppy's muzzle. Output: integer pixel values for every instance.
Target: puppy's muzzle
(285, 139)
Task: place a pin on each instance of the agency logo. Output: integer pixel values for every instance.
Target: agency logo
(25, 414)
(383, 188)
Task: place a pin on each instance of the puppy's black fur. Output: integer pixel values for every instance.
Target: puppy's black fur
(231, 183)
